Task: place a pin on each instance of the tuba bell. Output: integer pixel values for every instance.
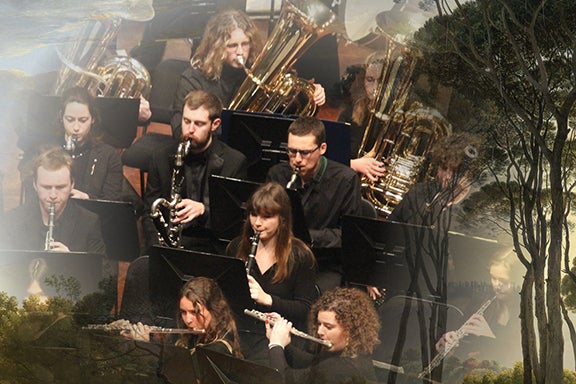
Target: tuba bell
(271, 85)
(400, 139)
(118, 76)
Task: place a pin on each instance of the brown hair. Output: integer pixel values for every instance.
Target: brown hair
(355, 313)
(205, 291)
(360, 100)
(209, 56)
(457, 152)
(200, 98)
(271, 199)
(82, 96)
(306, 125)
(52, 159)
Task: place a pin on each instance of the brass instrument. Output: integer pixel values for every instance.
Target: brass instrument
(292, 180)
(118, 76)
(50, 233)
(153, 329)
(460, 333)
(262, 317)
(271, 85)
(400, 139)
(170, 233)
(251, 256)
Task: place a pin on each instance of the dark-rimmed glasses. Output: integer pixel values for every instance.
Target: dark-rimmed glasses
(303, 152)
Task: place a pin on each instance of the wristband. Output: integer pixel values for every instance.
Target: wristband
(272, 345)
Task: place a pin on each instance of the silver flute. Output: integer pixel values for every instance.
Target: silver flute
(292, 180)
(70, 143)
(50, 233)
(153, 329)
(252, 255)
(460, 333)
(263, 317)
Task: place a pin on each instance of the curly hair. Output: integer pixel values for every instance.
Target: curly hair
(205, 291)
(355, 313)
(209, 56)
(457, 152)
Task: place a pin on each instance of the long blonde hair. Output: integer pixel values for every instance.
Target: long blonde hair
(209, 57)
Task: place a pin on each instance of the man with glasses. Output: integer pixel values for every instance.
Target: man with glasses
(329, 190)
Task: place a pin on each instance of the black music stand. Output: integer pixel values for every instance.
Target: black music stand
(228, 199)
(21, 270)
(119, 228)
(216, 367)
(262, 138)
(119, 121)
(374, 253)
(170, 268)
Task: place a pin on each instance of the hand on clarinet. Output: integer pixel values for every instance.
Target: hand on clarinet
(187, 210)
(257, 293)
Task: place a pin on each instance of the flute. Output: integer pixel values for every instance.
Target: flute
(263, 317)
(153, 329)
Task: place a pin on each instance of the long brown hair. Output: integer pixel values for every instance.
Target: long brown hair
(360, 100)
(82, 96)
(205, 291)
(355, 313)
(271, 199)
(209, 57)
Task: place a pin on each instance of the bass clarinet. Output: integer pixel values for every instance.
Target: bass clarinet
(460, 333)
(263, 317)
(50, 233)
(169, 233)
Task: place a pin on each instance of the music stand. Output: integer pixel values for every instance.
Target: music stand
(170, 268)
(228, 197)
(216, 367)
(119, 228)
(119, 120)
(262, 138)
(374, 253)
(21, 270)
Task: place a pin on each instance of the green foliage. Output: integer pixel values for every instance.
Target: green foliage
(513, 375)
(65, 286)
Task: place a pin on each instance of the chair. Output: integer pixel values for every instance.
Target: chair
(165, 78)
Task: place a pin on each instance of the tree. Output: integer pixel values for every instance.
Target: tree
(516, 58)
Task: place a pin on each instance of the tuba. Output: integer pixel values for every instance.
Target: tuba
(118, 76)
(271, 85)
(400, 139)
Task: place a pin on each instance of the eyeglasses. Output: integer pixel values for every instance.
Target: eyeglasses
(303, 152)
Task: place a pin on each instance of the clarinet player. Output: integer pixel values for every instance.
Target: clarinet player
(33, 226)
(206, 156)
(281, 278)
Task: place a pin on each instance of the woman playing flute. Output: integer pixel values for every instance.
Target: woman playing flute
(346, 318)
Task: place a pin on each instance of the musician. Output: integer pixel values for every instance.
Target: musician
(207, 156)
(202, 306)
(215, 66)
(282, 276)
(329, 190)
(454, 158)
(346, 318)
(489, 333)
(363, 91)
(75, 228)
(96, 167)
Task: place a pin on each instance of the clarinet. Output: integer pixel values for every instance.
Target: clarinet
(70, 143)
(251, 256)
(292, 180)
(460, 333)
(50, 233)
(108, 327)
(263, 317)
